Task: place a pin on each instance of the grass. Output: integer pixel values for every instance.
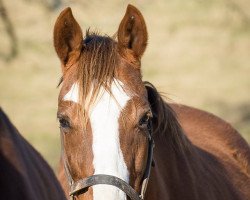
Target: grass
(198, 54)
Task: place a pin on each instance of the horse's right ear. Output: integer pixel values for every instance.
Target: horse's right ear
(67, 38)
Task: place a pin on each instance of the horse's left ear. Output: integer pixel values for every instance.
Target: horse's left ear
(67, 38)
(132, 32)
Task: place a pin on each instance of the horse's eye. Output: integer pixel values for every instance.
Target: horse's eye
(143, 123)
(64, 123)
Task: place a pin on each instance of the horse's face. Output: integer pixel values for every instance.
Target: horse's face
(104, 114)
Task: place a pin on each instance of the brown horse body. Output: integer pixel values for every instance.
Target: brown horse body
(197, 156)
(25, 175)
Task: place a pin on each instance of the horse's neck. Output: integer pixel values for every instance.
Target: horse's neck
(182, 170)
(173, 171)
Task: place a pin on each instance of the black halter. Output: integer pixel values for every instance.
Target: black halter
(82, 184)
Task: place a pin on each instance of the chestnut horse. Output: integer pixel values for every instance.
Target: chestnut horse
(25, 175)
(110, 119)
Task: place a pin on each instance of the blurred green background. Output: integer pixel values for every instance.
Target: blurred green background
(198, 54)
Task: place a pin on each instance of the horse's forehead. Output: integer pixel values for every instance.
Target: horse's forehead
(117, 93)
(127, 79)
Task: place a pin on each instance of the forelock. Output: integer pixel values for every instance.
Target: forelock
(96, 69)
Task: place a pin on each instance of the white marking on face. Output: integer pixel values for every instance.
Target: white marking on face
(73, 93)
(108, 158)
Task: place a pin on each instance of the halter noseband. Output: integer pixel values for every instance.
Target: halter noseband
(77, 186)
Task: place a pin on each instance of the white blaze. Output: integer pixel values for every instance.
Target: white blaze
(73, 93)
(108, 157)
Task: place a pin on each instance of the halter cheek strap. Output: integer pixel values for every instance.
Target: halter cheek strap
(150, 162)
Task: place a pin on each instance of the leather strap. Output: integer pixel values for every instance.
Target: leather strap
(148, 169)
(104, 179)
